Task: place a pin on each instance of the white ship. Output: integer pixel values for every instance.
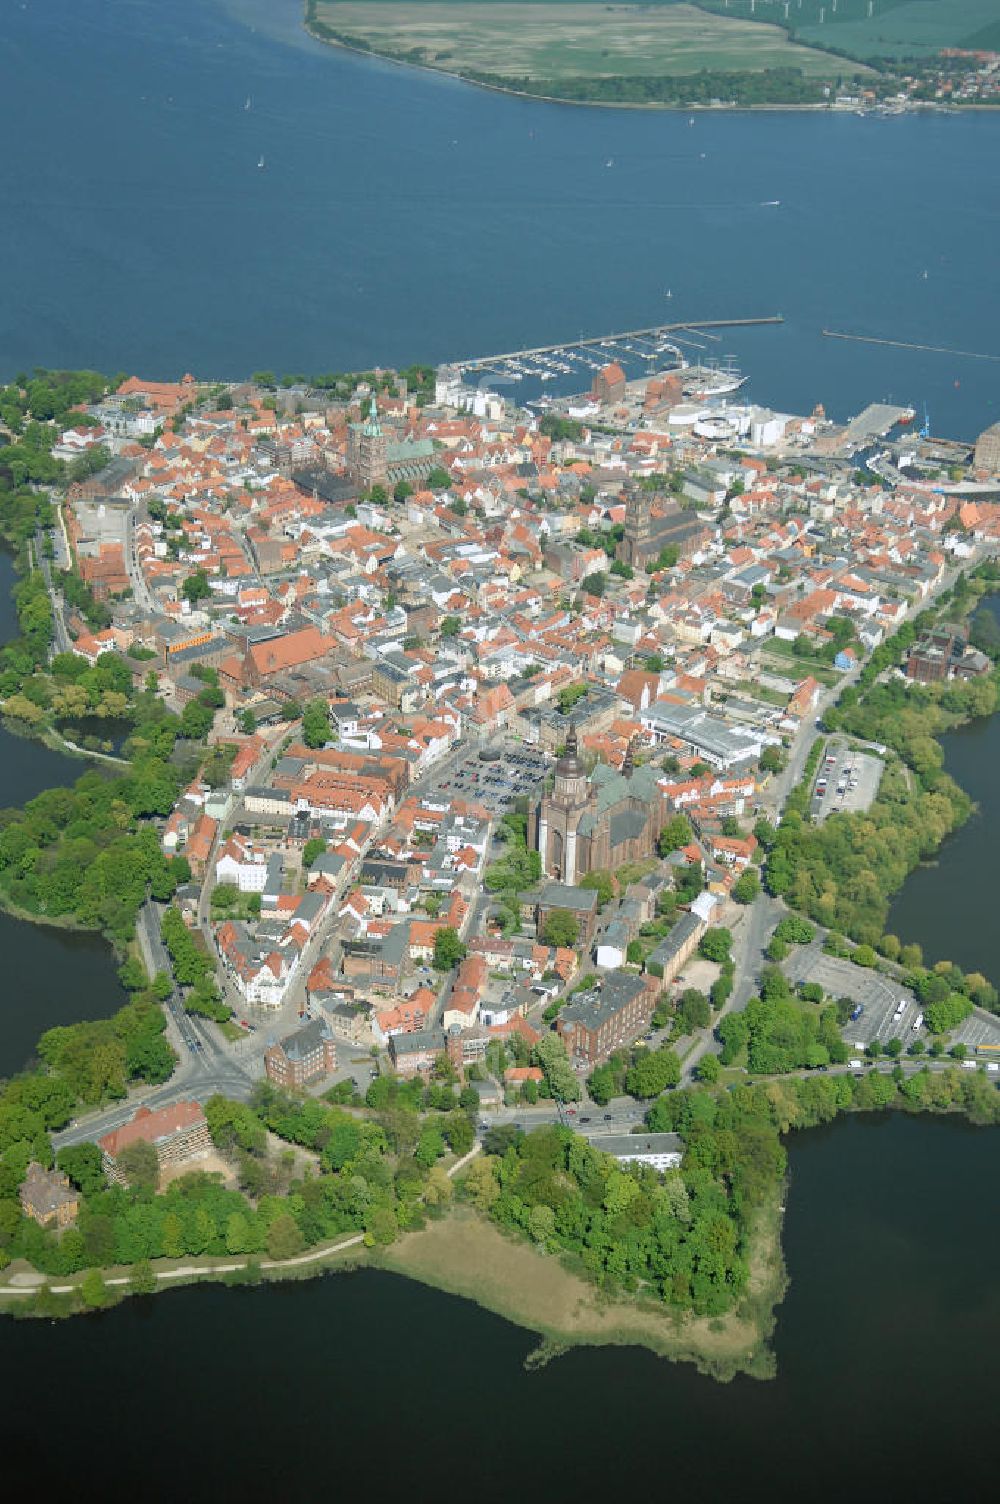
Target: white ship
(703, 382)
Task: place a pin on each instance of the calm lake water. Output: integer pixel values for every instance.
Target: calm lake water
(949, 907)
(49, 976)
(403, 216)
(887, 1348)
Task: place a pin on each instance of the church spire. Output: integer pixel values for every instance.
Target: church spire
(372, 428)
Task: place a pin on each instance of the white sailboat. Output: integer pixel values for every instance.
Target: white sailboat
(260, 161)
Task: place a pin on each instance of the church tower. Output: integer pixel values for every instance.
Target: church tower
(638, 526)
(373, 451)
(561, 812)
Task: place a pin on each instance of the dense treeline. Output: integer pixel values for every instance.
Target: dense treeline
(81, 853)
(769, 86)
(194, 969)
(684, 1237)
(908, 717)
(33, 410)
(779, 1033)
(843, 872)
(82, 1066)
(375, 1176)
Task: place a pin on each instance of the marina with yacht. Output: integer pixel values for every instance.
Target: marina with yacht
(665, 345)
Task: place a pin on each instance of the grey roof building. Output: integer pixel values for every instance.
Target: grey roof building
(663, 1151)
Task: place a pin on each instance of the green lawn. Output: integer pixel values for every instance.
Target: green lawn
(895, 29)
(552, 40)
(916, 28)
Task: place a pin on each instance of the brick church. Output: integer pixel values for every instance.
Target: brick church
(595, 822)
(375, 458)
(647, 532)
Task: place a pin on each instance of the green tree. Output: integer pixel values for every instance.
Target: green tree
(450, 626)
(602, 883)
(561, 928)
(448, 949)
(709, 1069)
(311, 850)
(541, 1223)
(83, 1163)
(652, 1073)
(746, 887)
(316, 723)
(715, 944)
(196, 587)
(139, 1165)
(93, 1290)
(172, 1236)
(676, 834)
(284, 1237)
(142, 1278)
(693, 1012)
(550, 1054)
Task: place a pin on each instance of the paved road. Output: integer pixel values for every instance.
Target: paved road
(750, 939)
(203, 1052)
(140, 590)
(62, 643)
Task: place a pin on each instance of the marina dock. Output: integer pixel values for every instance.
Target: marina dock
(662, 339)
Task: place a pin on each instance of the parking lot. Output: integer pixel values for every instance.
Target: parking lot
(495, 781)
(846, 781)
(879, 998)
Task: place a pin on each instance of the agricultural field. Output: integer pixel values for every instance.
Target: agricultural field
(554, 41)
(895, 28)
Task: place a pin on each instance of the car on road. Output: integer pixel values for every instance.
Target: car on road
(607, 1117)
(586, 1120)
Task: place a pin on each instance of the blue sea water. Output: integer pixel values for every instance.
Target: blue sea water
(402, 216)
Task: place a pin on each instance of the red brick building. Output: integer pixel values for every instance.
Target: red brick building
(308, 1054)
(609, 383)
(177, 1133)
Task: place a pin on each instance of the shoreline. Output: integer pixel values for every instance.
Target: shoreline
(463, 1253)
(320, 33)
(992, 589)
(449, 1254)
(543, 1294)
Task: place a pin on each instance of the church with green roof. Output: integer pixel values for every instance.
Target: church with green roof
(597, 821)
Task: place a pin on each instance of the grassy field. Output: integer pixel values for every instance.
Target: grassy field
(550, 40)
(895, 29)
(466, 1255)
(917, 29)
